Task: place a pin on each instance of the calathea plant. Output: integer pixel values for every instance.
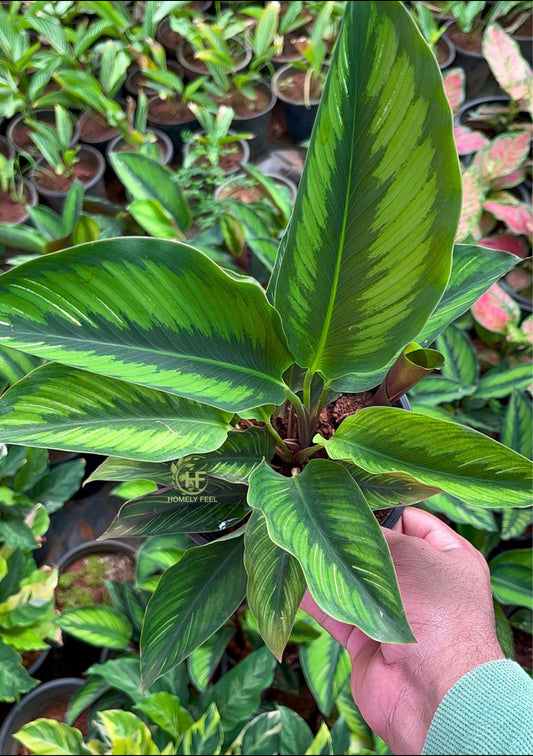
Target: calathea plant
(199, 379)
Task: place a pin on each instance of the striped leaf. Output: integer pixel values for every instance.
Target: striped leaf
(117, 468)
(65, 408)
(203, 662)
(474, 269)
(188, 605)
(326, 667)
(458, 460)
(153, 312)
(458, 511)
(14, 365)
(146, 179)
(97, 625)
(511, 576)
(461, 361)
(515, 522)
(367, 253)
(205, 736)
(275, 585)
(321, 517)
(171, 511)
(517, 424)
(389, 490)
(503, 380)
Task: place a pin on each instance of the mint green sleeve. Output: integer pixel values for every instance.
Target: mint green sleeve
(488, 711)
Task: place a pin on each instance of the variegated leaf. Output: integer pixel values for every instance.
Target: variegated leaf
(64, 408)
(496, 310)
(321, 517)
(367, 253)
(276, 585)
(153, 312)
(509, 67)
(460, 461)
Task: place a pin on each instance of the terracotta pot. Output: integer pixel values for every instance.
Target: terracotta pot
(164, 142)
(17, 131)
(46, 700)
(94, 184)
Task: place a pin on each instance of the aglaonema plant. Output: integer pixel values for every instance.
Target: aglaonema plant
(212, 386)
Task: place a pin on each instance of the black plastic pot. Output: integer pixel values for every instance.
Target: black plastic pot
(479, 80)
(166, 155)
(299, 115)
(44, 114)
(33, 705)
(224, 191)
(257, 123)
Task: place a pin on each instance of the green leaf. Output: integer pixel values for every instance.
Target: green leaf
(458, 460)
(515, 522)
(61, 407)
(321, 517)
(72, 207)
(511, 577)
(22, 238)
(203, 661)
(461, 360)
(217, 507)
(380, 193)
(275, 586)
(237, 694)
(502, 381)
(458, 511)
(389, 490)
(117, 468)
(153, 312)
(154, 219)
(97, 625)
(517, 424)
(127, 732)
(326, 666)
(188, 605)
(165, 710)
(240, 454)
(58, 484)
(204, 737)
(14, 365)
(85, 230)
(146, 179)
(47, 736)
(437, 389)
(262, 734)
(296, 735)
(474, 270)
(14, 679)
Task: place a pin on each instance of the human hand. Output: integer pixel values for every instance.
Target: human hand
(446, 592)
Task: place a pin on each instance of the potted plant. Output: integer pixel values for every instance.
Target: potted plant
(433, 30)
(16, 193)
(61, 162)
(259, 407)
(299, 85)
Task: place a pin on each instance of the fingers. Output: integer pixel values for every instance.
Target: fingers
(347, 635)
(420, 524)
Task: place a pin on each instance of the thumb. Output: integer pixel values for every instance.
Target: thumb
(424, 525)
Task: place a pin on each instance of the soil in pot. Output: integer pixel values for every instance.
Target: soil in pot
(50, 700)
(84, 171)
(94, 129)
(18, 132)
(82, 581)
(13, 211)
